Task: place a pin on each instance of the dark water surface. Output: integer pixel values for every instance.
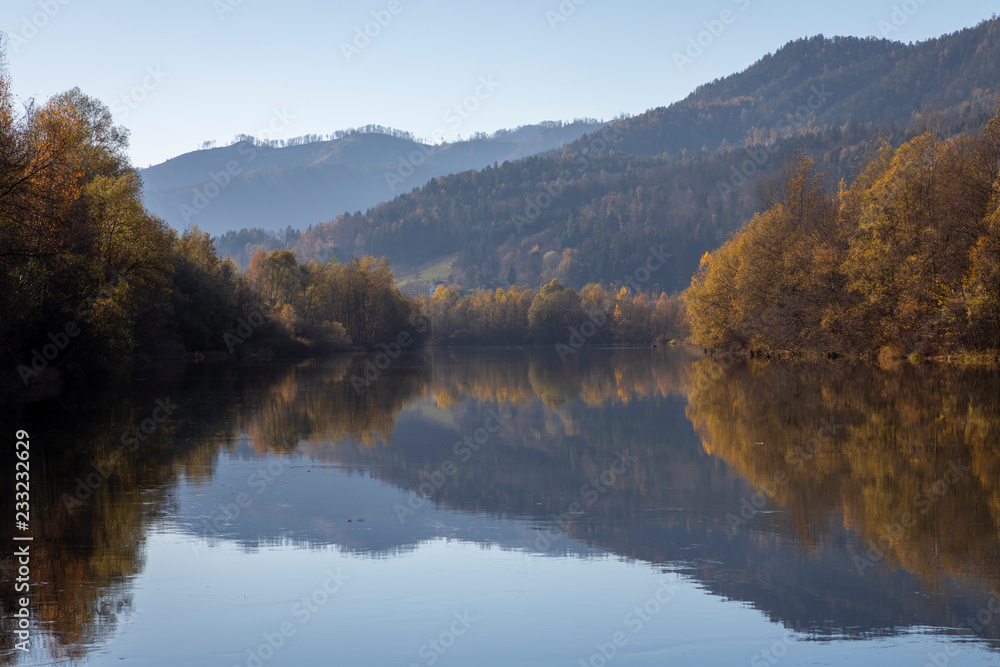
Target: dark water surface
(497, 507)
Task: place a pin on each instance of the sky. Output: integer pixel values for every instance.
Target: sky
(183, 72)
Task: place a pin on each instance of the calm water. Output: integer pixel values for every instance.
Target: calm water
(634, 507)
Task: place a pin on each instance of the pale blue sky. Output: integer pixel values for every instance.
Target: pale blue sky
(219, 73)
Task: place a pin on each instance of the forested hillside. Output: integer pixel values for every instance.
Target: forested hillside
(684, 176)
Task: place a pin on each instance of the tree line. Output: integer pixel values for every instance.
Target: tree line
(554, 314)
(903, 260)
(317, 138)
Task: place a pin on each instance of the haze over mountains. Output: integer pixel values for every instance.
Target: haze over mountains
(592, 211)
(253, 184)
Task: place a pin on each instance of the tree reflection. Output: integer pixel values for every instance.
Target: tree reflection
(853, 446)
(912, 467)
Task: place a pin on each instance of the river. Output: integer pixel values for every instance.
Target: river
(501, 507)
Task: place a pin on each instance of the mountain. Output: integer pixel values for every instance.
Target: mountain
(270, 185)
(817, 83)
(682, 176)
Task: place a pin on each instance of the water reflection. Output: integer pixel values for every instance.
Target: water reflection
(839, 500)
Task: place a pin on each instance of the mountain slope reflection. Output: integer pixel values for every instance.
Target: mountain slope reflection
(812, 555)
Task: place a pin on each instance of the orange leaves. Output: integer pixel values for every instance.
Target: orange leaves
(901, 257)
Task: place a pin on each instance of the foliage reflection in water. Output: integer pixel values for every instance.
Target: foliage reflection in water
(842, 502)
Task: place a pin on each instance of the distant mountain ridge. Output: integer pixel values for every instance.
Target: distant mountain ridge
(252, 184)
(684, 175)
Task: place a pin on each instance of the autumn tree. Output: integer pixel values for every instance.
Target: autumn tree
(554, 311)
(206, 291)
(903, 260)
(276, 276)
